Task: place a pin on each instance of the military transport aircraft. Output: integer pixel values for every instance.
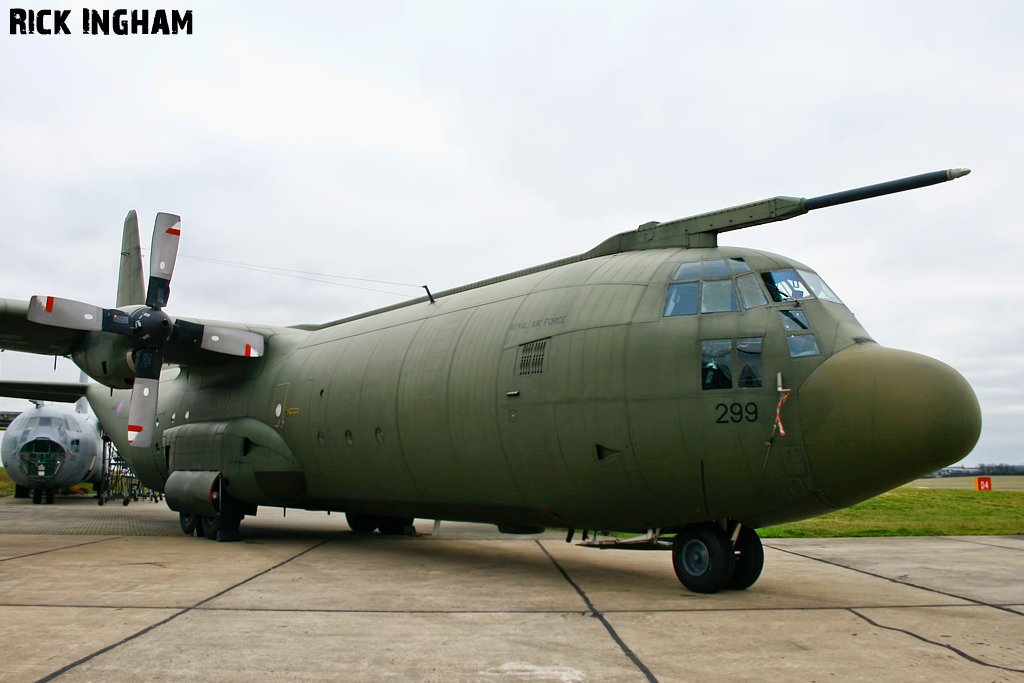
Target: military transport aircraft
(51, 447)
(656, 384)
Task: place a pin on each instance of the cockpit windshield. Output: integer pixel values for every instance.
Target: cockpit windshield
(818, 286)
(34, 422)
(787, 285)
(723, 285)
(711, 286)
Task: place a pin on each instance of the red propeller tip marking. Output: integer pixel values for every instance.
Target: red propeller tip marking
(133, 431)
(248, 350)
(49, 304)
(174, 231)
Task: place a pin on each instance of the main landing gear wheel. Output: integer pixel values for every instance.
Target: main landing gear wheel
(749, 560)
(395, 526)
(703, 558)
(188, 523)
(361, 524)
(21, 491)
(37, 496)
(211, 525)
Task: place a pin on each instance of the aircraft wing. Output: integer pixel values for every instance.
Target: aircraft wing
(57, 392)
(18, 334)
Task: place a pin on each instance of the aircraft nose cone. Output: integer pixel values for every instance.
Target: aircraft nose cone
(874, 418)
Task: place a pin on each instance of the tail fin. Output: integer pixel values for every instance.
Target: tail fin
(82, 404)
(130, 286)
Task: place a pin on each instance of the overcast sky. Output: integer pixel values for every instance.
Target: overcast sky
(441, 143)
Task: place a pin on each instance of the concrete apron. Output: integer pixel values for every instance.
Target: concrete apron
(303, 598)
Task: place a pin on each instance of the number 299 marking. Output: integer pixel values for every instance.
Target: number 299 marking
(736, 413)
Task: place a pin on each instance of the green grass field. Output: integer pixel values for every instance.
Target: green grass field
(911, 511)
(6, 485)
(999, 483)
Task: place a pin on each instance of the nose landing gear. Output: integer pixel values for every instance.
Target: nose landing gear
(707, 559)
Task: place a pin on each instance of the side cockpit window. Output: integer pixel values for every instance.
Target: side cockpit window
(788, 285)
(751, 293)
(748, 360)
(818, 286)
(717, 363)
(785, 285)
(682, 299)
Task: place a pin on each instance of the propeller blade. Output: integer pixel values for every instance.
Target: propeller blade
(166, 234)
(232, 342)
(225, 340)
(75, 315)
(142, 412)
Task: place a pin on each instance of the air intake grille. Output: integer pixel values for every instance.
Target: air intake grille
(531, 357)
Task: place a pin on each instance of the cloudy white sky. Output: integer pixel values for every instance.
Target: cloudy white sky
(441, 143)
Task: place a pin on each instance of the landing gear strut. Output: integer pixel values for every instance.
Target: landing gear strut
(749, 559)
(706, 559)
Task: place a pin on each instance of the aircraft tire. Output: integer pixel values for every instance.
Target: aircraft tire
(21, 491)
(188, 523)
(361, 524)
(395, 526)
(37, 496)
(749, 560)
(703, 557)
(211, 525)
(50, 496)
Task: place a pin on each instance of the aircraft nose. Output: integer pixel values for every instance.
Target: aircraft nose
(874, 418)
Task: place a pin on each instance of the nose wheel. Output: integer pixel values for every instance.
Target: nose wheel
(707, 559)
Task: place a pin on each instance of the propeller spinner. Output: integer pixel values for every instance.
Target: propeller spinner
(148, 327)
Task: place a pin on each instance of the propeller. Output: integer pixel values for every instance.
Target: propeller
(148, 327)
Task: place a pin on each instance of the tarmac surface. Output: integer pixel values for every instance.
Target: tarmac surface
(90, 593)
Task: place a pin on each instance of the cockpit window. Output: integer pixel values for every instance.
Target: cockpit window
(716, 364)
(748, 358)
(794, 320)
(785, 285)
(716, 268)
(818, 286)
(738, 266)
(715, 292)
(802, 345)
(687, 271)
(33, 422)
(718, 296)
(682, 299)
(751, 293)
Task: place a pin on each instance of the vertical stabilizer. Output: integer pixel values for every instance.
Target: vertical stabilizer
(82, 404)
(130, 285)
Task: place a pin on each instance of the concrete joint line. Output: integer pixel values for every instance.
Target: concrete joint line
(933, 642)
(174, 616)
(987, 545)
(902, 583)
(600, 617)
(53, 550)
